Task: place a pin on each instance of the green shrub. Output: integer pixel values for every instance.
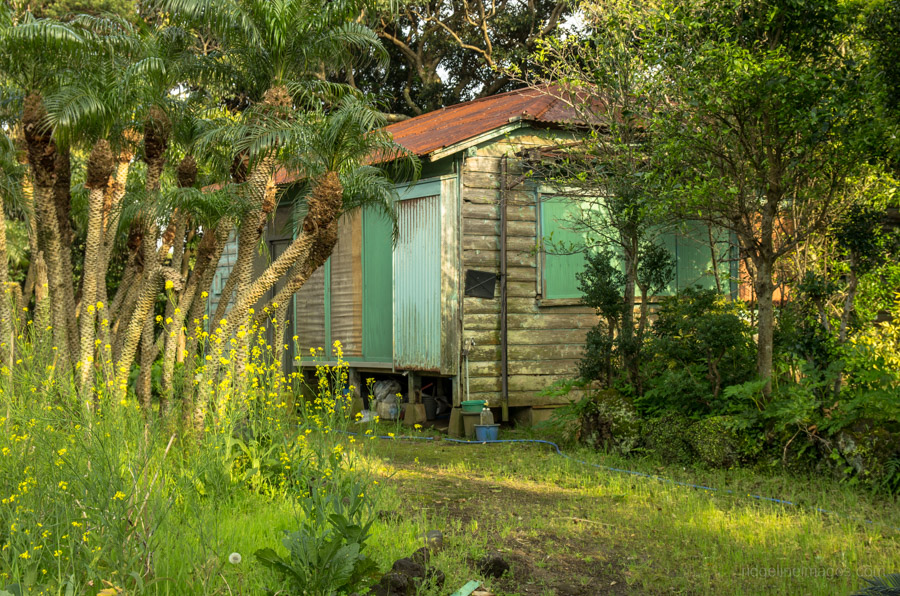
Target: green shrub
(609, 421)
(701, 343)
(667, 437)
(719, 444)
(868, 455)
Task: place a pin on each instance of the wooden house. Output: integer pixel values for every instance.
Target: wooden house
(465, 300)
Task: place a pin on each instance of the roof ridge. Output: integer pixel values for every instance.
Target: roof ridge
(481, 99)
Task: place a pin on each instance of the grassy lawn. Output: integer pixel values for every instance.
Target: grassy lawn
(570, 529)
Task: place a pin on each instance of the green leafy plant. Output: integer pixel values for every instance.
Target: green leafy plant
(701, 343)
(326, 554)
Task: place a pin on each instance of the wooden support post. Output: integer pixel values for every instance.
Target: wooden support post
(415, 382)
(415, 411)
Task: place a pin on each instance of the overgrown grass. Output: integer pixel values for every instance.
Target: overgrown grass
(101, 497)
(573, 529)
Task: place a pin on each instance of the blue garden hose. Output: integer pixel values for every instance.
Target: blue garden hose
(633, 473)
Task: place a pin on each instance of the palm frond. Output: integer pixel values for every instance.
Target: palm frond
(889, 585)
(367, 186)
(206, 207)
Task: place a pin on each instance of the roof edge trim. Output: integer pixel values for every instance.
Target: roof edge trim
(477, 139)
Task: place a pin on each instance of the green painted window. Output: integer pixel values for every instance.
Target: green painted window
(561, 259)
(688, 243)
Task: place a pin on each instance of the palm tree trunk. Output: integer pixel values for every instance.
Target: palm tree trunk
(33, 249)
(99, 169)
(317, 239)
(156, 139)
(194, 318)
(249, 233)
(7, 338)
(62, 200)
(130, 295)
(111, 211)
(187, 177)
(260, 195)
(42, 310)
(42, 159)
(298, 276)
(143, 310)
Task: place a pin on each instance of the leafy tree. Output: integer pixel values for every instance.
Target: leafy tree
(35, 54)
(283, 56)
(881, 29)
(760, 135)
(607, 79)
(450, 51)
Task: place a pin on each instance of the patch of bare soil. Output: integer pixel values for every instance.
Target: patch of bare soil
(537, 527)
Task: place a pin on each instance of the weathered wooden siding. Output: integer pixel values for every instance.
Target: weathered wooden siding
(544, 342)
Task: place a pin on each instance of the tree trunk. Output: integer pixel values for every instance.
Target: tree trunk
(157, 128)
(298, 276)
(178, 303)
(714, 258)
(134, 331)
(7, 338)
(317, 238)
(99, 170)
(626, 337)
(194, 319)
(122, 315)
(33, 248)
(259, 195)
(111, 213)
(42, 159)
(207, 251)
(62, 200)
(42, 311)
(249, 233)
(765, 324)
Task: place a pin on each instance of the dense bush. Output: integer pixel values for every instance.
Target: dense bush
(719, 443)
(667, 437)
(609, 421)
(700, 343)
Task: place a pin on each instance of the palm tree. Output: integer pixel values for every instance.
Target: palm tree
(333, 152)
(32, 54)
(284, 50)
(347, 154)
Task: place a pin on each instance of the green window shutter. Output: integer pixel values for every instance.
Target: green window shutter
(378, 322)
(559, 270)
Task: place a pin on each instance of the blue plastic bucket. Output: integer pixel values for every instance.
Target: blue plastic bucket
(487, 432)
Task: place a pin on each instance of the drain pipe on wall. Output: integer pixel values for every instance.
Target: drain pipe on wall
(504, 343)
(467, 345)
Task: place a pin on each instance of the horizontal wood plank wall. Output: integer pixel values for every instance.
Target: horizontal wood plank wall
(545, 342)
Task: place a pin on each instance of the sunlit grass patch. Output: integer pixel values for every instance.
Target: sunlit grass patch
(648, 535)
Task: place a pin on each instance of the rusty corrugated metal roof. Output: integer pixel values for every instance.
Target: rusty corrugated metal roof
(454, 124)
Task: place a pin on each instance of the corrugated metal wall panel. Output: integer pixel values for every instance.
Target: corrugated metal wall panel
(417, 285)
